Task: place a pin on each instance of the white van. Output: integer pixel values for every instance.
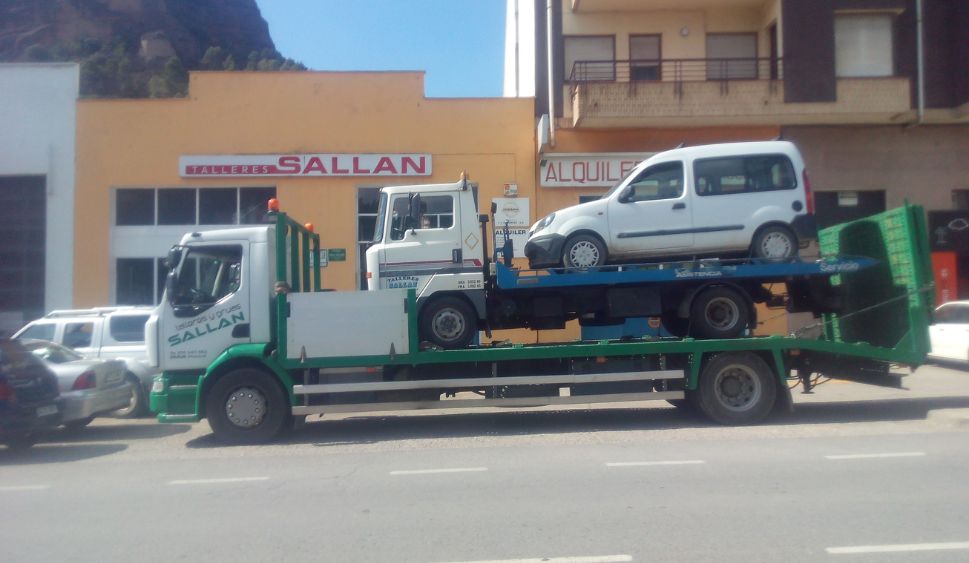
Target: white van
(726, 199)
(106, 333)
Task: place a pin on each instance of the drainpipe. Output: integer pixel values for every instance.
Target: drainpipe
(920, 48)
(551, 75)
(517, 92)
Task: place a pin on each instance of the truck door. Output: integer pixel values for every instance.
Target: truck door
(423, 239)
(652, 213)
(207, 306)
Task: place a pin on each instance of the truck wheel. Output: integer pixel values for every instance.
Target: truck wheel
(774, 243)
(719, 312)
(138, 405)
(20, 441)
(736, 388)
(448, 322)
(583, 251)
(246, 406)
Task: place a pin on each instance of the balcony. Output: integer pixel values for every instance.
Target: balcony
(704, 92)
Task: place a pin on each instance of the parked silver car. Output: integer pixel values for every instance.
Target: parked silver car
(89, 387)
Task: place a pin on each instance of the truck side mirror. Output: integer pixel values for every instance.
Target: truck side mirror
(414, 210)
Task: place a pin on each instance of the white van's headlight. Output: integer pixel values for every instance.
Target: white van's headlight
(545, 222)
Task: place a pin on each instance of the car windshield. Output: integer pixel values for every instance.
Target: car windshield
(620, 182)
(53, 353)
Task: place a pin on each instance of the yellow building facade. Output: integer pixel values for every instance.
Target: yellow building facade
(149, 171)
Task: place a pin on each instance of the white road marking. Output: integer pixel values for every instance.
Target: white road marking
(11, 488)
(649, 463)
(216, 481)
(574, 559)
(896, 548)
(876, 456)
(432, 471)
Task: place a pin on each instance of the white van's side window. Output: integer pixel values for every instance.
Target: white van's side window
(722, 176)
(663, 181)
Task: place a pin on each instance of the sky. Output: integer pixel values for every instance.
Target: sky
(458, 43)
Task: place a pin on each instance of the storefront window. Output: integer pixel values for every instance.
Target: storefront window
(252, 204)
(176, 206)
(217, 206)
(135, 207)
(135, 281)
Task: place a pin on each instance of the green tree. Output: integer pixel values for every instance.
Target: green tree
(214, 58)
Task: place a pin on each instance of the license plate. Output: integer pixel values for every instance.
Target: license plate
(48, 410)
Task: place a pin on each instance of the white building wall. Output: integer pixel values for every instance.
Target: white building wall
(522, 64)
(37, 132)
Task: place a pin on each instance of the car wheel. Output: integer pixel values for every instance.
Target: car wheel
(77, 425)
(448, 322)
(719, 312)
(583, 251)
(138, 405)
(247, 406)
(774, 243)
(736, 388)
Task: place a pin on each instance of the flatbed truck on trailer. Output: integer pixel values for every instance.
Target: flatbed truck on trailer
(430, 238)
(247, 337)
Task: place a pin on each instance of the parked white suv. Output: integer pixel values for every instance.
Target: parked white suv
(725, 199)
(106, 333)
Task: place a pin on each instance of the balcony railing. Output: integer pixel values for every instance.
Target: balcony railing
(677, 70)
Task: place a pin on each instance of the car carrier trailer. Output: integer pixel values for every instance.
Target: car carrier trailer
(247, 338)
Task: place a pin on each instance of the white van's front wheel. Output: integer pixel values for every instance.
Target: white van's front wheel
(774, 243)
(583, 251)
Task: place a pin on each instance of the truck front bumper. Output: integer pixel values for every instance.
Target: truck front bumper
(544, 251)
(174, 397)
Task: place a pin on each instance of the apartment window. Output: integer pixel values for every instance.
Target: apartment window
(863, 45)
(590, 58)
(368, 200)
(644, 55)
(732, 56)
(191, 206)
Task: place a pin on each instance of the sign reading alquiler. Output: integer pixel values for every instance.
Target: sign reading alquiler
(600, 170)
(236, 166)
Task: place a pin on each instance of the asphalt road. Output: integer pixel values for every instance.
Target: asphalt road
(855, 474)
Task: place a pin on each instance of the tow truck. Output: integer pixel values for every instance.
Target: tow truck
(247, 337)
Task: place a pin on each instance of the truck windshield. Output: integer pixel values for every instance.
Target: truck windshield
(207, 274)
(378, 231)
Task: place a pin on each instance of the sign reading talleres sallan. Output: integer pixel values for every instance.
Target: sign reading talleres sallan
(243, 165)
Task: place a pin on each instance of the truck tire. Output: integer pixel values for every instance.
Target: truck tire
(774, 244)
(583, 251)
(719, 312)
(138, 406)
(21, 441)
(448, 322)
(247, 406)
(736, 388)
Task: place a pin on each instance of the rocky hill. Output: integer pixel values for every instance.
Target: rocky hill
(137, 48)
